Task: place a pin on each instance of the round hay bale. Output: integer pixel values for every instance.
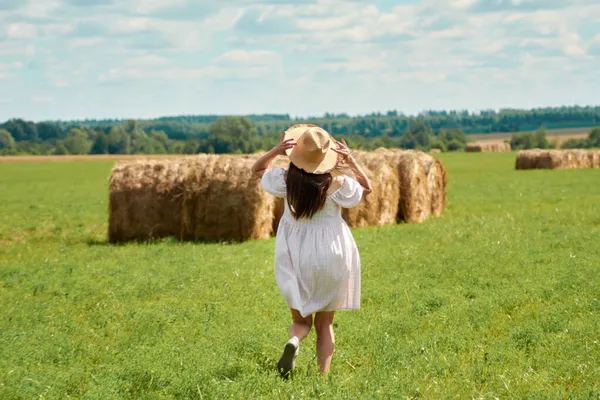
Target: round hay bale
(207, 197)
(555, 159)
(594, 157)
(474, 148)
(144, 199)
(438, 194)
(380, 207)
(488, 147)
(581, 158)
(415, 196)
(224, 201)
(525, 160)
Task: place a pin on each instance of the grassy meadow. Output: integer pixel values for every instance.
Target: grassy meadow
(499, 298)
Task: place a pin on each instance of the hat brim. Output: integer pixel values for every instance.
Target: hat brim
(328, 163)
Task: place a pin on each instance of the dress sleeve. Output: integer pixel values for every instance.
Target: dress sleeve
(349, 194)
(274, 183)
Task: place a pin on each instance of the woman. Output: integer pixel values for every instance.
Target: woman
(317, 265)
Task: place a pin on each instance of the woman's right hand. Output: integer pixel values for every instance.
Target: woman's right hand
(284, 145)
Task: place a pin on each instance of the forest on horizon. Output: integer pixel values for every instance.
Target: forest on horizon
(446, 130)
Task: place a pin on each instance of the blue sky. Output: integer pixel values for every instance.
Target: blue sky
(74, 59)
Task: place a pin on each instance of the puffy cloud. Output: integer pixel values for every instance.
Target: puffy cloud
(21, 31)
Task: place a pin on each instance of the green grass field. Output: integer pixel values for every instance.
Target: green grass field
(499, 298)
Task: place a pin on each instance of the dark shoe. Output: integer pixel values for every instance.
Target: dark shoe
(287, 361)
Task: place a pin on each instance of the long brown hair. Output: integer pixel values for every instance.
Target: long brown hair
(306, 192)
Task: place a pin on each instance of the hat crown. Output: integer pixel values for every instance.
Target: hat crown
(314, 149)
(315, 140)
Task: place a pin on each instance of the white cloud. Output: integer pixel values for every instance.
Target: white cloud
(355, 65)
(147, 6)
(245, 57)
(39, 9)
(86, 42)
(42, 99)
(21, 31)
(148, 60)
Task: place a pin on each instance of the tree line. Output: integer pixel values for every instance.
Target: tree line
(213, 134)
(227, 135)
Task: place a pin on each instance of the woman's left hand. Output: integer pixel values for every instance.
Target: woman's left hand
(342, 150)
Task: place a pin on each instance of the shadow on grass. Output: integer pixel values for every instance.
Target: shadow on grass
(153, 241)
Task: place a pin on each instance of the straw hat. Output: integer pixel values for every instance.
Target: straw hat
(313, 151)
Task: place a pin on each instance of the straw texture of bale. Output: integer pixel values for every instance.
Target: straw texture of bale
(224, 201)
(415, 196)
(557, 159)
(437, 178)
(380, 207)
(416, 193)
(145, 200)
(488, 147)
(208, 197)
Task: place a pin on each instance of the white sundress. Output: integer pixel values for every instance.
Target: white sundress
(317, 265)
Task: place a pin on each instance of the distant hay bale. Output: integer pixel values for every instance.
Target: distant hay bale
(557, 159)
(380, 207)
(594, 157)
(435, 151)
(208, 198)
(488, 147)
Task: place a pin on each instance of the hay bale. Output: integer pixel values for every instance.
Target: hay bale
(474, 147)
(488, 147)
(550, 159)
(224, 201)
(594, 157)
(557, 159)
(380, 207)
(144, 200)
(435, 151)
(527, 159)
(407, 186)
(208, 198)
(438, 192)
(415, 196)
(436, 182)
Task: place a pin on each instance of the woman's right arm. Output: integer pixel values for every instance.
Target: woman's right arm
(261, 165)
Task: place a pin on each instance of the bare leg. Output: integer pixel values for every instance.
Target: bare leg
(300, 325)
(325, 339)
